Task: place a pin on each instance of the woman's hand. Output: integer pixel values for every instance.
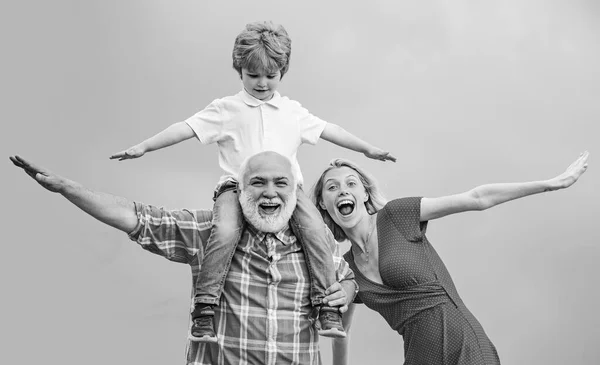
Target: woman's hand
(336, 297)
(571, 175)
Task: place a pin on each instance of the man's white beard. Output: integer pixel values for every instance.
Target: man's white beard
(268, 223)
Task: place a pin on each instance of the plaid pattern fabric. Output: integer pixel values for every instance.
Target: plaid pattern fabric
(264, 316)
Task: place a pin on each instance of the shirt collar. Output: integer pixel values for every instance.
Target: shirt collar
(285, 236)
(252, 101)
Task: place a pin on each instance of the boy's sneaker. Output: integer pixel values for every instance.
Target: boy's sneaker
(331, 322)
(203, 329)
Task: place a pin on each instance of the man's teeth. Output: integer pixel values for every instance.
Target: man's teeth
(269, 206)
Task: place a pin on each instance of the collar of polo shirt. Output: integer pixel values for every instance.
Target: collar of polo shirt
(252, 101)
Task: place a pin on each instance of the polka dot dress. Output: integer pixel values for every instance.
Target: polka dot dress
(418, 298)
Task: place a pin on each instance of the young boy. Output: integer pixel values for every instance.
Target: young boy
(257, 119)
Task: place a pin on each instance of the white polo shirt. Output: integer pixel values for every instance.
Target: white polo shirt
(242, 126)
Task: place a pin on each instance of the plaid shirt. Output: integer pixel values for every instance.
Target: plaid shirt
(264, 316)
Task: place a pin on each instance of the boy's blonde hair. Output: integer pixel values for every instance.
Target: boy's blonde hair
(262, 46)
(375, 202)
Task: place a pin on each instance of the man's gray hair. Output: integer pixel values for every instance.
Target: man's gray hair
(244, 168)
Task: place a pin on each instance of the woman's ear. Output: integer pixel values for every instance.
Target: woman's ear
(366, 196)
(322, 205)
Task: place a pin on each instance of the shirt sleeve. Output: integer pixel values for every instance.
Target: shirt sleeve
(357, 299)
(207, 124)
(343, 270)
(310, 126)
(176, 235)
(405, 213)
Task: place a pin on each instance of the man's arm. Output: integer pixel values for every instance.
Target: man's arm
(173, 134)
(335, 134)
(115, 211)
(175, 235)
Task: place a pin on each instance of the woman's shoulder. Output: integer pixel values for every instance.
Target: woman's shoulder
(402, 204)
(403, 215)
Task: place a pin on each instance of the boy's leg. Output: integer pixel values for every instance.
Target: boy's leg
(310, 229)
(227, 226)
(225, 234)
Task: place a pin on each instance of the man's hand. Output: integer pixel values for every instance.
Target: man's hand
(112, 210)
(133, 152)
(45, 178)
(335, 296)
(379, 154)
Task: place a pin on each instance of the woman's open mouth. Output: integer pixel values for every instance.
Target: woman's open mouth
(345, 207)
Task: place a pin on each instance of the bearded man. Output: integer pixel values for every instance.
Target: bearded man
(265, 314)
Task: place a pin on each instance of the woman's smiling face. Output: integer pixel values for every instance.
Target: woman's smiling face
(343, 197)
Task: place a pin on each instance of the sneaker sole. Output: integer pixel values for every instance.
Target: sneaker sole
(333, 332)
(203, 339)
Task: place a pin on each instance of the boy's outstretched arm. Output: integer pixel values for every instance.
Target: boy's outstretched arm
(335, 134)
(112, 210)
(174, 134)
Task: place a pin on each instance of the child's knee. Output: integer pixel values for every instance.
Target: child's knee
(310, 221)
(227, 230)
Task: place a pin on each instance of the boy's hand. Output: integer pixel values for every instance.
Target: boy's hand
(379, 154)
(133, 152)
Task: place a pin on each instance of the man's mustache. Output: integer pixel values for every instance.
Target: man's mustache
(270, 201)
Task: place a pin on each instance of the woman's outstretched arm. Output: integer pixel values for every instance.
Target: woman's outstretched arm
(487, 196)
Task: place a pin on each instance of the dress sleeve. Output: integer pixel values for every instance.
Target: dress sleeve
(310, 126)
(208, 123)
(177, 235)
(405, 213)
(357, 299)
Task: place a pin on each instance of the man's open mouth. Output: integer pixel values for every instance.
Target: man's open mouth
(345, 207)
(269, 208)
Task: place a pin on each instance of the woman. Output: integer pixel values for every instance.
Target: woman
(399, 273)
